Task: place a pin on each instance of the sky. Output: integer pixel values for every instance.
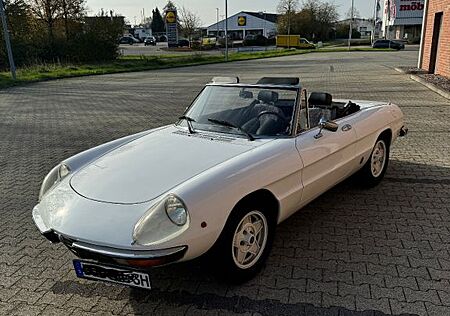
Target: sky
(206, 9)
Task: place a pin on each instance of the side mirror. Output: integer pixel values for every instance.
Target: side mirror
(328, 125)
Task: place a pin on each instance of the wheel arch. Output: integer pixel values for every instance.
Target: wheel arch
(386, 135)
(262, 197)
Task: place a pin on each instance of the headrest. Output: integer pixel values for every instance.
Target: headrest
(320, 98)
(267, 96)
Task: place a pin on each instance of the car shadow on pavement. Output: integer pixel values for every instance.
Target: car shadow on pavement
(348, 236)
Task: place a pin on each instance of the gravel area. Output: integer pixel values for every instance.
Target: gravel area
(440, 81)
(411, 70)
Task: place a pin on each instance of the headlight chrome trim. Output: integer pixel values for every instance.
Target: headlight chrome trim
(156, 226)
(55, 176)
(173, 210)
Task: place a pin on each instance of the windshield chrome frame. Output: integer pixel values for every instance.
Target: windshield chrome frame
(294, 118)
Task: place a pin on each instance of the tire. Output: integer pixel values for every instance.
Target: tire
(244, 244)
(373, 171)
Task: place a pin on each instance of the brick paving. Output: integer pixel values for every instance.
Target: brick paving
(350, 252)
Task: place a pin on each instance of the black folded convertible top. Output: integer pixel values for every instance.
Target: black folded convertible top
(290, 81)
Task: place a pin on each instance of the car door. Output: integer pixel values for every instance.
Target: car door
(327, 159)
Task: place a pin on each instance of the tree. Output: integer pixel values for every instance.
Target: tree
(169, 6)
(48, 12)
(21, 26)
(287, 8)
(315, 20)
(158, 24)
(72, 10)
(356, 13)
(342, 31)
(190, 22)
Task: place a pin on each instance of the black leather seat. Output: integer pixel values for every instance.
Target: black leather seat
(266, 124)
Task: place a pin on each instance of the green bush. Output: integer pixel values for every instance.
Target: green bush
(90, 39)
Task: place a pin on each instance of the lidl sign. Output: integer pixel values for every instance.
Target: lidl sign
(171, 28)
(242, 20)
(171, 17)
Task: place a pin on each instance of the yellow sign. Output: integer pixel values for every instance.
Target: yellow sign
(171, 17)
(242, 20)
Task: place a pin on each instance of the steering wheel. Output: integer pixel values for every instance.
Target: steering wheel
(274, 113)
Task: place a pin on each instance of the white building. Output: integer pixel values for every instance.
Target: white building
(245, 23)
(402, 19)
(363, 26)
(142, 32)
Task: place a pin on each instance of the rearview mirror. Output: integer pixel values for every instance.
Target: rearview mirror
(328, 125)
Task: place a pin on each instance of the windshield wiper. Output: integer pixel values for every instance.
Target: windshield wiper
(189, 121)
(228, 124)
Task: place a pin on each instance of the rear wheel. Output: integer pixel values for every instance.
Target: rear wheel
(373, 171)
(244, 244)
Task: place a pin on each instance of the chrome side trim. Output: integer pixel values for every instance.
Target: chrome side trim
(127, 254)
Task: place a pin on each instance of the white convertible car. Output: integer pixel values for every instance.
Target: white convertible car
(242, 158)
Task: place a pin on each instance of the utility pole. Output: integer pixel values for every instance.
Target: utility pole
(12, 66)
(226, 30)
(289, 26)
(388, 37)
(217, 12)
(375, 15)
(350, 31)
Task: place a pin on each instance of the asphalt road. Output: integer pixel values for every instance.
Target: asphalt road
(350, 252)
(160, 49)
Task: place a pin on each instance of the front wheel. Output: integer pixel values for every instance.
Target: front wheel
(244, 244)
(373, 171)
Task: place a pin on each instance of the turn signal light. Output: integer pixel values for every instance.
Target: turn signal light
(146, 263)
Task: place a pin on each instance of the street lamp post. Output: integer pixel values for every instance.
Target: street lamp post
(351, 26)
(217, 12)
(226, 30)
(12, 66)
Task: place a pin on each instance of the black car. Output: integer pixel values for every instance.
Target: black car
(183, 43)
(128, 40)
(150, 40)
(255, 40)
(388, 44)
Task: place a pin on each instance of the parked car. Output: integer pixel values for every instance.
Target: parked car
(161, 38)
(388, 44)
(150, 40)
(240, 160)
(183, 43)
(208, 42)
(221, 41)
(128, 40)
(255, 40)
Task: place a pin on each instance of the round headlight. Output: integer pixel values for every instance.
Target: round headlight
(176, 211)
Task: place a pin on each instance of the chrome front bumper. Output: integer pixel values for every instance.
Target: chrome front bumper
(110, 255)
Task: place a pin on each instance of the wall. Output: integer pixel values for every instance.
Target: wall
(443, 57)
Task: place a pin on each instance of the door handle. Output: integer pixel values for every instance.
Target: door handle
(346, 128)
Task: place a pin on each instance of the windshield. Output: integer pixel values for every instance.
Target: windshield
(254, 111)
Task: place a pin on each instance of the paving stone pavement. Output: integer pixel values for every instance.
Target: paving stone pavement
(350, 252)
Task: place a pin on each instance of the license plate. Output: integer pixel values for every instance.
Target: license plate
(93, 271)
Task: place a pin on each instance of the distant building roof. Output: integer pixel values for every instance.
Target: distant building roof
(271, 17)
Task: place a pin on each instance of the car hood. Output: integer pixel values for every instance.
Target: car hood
(145, 168)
